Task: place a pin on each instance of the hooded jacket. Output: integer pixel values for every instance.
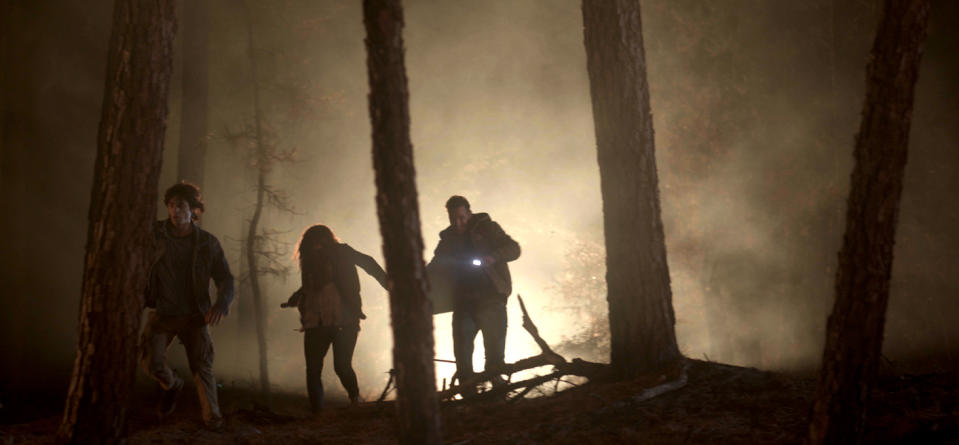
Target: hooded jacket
(208, 262)
(483, 237)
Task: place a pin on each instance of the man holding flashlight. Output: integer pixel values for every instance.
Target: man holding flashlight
(476, 250)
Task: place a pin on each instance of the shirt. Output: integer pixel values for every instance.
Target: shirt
(175, 278)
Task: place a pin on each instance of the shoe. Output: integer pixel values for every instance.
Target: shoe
(168, 400)
(316, 406)
(471, 390)
(215, 424)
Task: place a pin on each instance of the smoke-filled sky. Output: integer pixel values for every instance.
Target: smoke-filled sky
(755, 106)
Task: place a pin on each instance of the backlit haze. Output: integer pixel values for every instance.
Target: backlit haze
(755, 106)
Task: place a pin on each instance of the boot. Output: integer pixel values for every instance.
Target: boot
(168, 398)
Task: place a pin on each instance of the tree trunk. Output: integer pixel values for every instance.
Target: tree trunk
(245, 313)
(193, 116)
(398, 210)
(252, 249)
(122, 210)
(641, 319)
(855, 327)
(256, 293)
(18, 90)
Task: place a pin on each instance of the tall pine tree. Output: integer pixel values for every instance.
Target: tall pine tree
(122, 210)
(398, 210)
(855, 327)
(191, 159)
(641, 318)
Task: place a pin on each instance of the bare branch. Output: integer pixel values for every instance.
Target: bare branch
(279, 200)
(577, 367)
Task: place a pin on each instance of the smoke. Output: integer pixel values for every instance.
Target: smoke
(755, 107)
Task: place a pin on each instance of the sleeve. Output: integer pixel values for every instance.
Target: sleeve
(444, 252)
(443, 248)
(222, 278)
(369, 265)
(505, 249)
(294, 300)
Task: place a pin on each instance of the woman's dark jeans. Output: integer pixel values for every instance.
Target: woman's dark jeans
(315, 344)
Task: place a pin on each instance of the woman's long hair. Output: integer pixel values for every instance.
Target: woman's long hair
(314, 253)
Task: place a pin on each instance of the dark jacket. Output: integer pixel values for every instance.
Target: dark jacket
(209, 262)
(486, 238)
(347, 280)
(345, 259)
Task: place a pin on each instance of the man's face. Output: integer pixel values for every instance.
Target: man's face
(459, 216)
(180, 213)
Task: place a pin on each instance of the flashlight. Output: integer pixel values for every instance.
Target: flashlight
(477, 262)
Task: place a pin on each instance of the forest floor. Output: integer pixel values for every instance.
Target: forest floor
(719, 404)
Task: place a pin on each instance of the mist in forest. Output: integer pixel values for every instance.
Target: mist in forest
(755, 107)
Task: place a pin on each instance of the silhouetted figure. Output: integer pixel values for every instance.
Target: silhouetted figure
(475, 250)
(187, 257)
(330, 307)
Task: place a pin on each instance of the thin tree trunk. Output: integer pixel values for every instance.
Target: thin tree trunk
(262, 164)
(641, 319)
(259, 316)
(855, 327)
(193, 117)
(398, 210)
(246, 315)
(122, 210)
(718, 310)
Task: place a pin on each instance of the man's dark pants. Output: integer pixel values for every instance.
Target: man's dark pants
(487, 315)
(157, 337)
(316, 342)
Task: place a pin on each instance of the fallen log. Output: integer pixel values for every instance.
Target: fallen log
(562, 367)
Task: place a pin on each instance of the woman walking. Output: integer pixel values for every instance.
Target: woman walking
(330, 307)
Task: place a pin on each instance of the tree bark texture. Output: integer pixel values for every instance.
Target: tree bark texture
(191, 159)
(641, 318)
(398, 211)
(122, 210)
(855, 327)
